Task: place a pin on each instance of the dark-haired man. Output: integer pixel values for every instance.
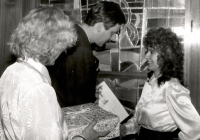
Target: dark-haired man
(74, 74)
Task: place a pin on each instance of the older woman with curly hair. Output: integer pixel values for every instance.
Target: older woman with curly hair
(29, 109)
(164, 110)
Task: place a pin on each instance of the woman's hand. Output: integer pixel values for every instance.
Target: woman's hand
(90, 134)
(123, 130)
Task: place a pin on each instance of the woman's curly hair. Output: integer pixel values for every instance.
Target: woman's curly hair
(42, 35)
(170, 53)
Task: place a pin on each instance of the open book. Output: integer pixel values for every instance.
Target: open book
(109, 102)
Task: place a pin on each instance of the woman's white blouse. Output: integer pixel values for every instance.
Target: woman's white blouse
(165, 109)
(28, 104)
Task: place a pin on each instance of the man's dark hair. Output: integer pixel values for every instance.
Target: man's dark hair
(107, 12)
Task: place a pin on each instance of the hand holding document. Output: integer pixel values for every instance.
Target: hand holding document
(109, 102)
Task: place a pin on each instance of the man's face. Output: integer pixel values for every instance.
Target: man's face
(104, 36)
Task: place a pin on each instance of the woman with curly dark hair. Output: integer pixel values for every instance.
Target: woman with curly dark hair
(170, 58)
(164, 109)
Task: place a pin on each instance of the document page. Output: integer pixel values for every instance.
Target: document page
(109, 102)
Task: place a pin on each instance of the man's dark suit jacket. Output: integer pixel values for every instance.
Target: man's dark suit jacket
(74, 73)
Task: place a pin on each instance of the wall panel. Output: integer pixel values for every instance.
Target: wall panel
(192, 50)
(11, 12)
(10, 16)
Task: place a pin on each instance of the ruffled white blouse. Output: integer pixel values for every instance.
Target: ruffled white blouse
(165, 109)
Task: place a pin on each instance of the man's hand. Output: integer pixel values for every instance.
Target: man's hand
(98, 94)
(98, 91)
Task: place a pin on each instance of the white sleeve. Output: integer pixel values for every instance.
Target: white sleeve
(132, 126)
(183, 112)
(41, 116)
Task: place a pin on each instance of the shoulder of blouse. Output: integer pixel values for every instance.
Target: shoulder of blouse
(173, 86)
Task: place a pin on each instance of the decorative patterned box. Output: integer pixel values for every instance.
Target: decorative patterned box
(79, 117)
